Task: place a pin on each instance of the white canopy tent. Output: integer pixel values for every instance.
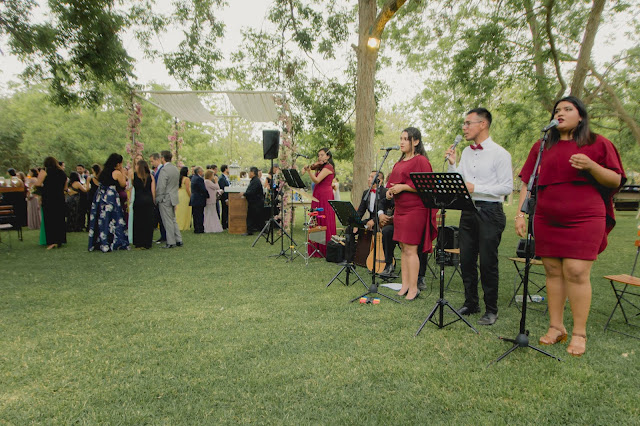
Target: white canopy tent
(254, 106)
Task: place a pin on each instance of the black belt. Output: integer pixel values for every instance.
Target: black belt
(487, 202)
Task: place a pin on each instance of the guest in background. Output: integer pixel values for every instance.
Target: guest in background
(211, 220)
(336, 189)
(183, 210)
(255, 200)
(14, 174)
(143, 206)
(243, 175)
(53, 181)
(322, 178)
(156, 163)
(224, 182)
(107, 227)
(132, 195)
(199, 195)
(33, 200)
(167, 199)
(76, 192)
(578, 174)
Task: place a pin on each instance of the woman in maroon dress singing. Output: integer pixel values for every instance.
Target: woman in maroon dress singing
(413, 223)
(322, 177)
(578, 175)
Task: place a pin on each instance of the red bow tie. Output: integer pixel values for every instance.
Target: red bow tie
(373, 190)
(474, 147)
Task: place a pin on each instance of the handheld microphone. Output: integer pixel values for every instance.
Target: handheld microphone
(456, 141)
(302, 155)
(553, 123)
(390, 148)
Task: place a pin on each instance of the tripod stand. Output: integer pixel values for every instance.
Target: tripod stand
(442, 190)
(348, 218)
(269, 228)
(373, 288)
(528, 207)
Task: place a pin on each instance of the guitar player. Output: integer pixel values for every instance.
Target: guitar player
(385, 217)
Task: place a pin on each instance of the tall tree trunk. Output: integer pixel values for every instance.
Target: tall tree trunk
(584, 58)
(365, 100)
(368, 25)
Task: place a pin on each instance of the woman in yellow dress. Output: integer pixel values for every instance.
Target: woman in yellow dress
(183, 209)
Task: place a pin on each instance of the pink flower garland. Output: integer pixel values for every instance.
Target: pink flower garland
(135, 147)
(176, 143)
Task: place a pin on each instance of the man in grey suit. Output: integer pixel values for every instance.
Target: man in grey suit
(167, 180)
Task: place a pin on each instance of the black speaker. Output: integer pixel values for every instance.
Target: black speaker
(270, 144)
(450, 235)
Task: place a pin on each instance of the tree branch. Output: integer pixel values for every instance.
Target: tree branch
(387, 11)
(584, 57)
(552, 47)
(541, 77)
(614, 102)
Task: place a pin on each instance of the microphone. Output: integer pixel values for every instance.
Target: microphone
(456, 141)
(553, 123)
(302, 155)
(390, 148)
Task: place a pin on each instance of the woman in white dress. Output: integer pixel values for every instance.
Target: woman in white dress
(211, 220)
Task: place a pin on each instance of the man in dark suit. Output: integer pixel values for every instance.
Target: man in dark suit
(167, 199)
(198, 201)
(224, 182)
(384, 217)
(255, 198)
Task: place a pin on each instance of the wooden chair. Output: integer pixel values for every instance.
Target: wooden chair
(624, 288)
(9, 222)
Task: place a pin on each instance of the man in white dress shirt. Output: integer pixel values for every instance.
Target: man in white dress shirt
(486, 169)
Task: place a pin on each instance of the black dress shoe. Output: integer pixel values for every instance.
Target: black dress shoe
(388, 270)
(168, 246)
(160, 241)
(489, 318)
(465, 310)
(179, 244)
(421, 285)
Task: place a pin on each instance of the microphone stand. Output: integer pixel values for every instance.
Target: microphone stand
(528, 207)
(373, 289)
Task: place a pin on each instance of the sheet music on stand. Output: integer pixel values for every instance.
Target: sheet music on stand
(443, 190)
(293, 178)
(347, 214)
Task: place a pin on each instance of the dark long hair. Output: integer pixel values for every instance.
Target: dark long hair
(184, 171)
(74, 177)
(50, 163)
(582, 133)
(109, 166)
(415, 135)
(143, 171)
(330, 160)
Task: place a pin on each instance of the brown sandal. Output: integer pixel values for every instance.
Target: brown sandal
(570, 347)
(561, 338)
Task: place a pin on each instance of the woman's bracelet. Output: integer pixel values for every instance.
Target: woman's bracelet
(519, 215)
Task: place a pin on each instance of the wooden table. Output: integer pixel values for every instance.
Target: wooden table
(237, 213)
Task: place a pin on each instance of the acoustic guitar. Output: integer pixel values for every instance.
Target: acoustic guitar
(379, 260)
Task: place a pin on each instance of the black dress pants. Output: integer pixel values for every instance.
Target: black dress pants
(198, 219)
(479, 235)
(388, 244)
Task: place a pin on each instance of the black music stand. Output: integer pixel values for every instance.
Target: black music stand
(442, 191)
(348, 217)
(293, 179)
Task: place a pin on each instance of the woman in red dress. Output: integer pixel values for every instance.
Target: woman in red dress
(323, 192)
(413, 223)
(578, 175)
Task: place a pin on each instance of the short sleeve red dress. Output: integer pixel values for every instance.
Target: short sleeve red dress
(413, 223)
(574, 213)
(324, 192)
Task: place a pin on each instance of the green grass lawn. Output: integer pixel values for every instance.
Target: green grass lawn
(218, 332)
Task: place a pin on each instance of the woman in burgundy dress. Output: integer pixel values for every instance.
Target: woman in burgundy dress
(579, 173)
(413, 223)
(322, 178)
